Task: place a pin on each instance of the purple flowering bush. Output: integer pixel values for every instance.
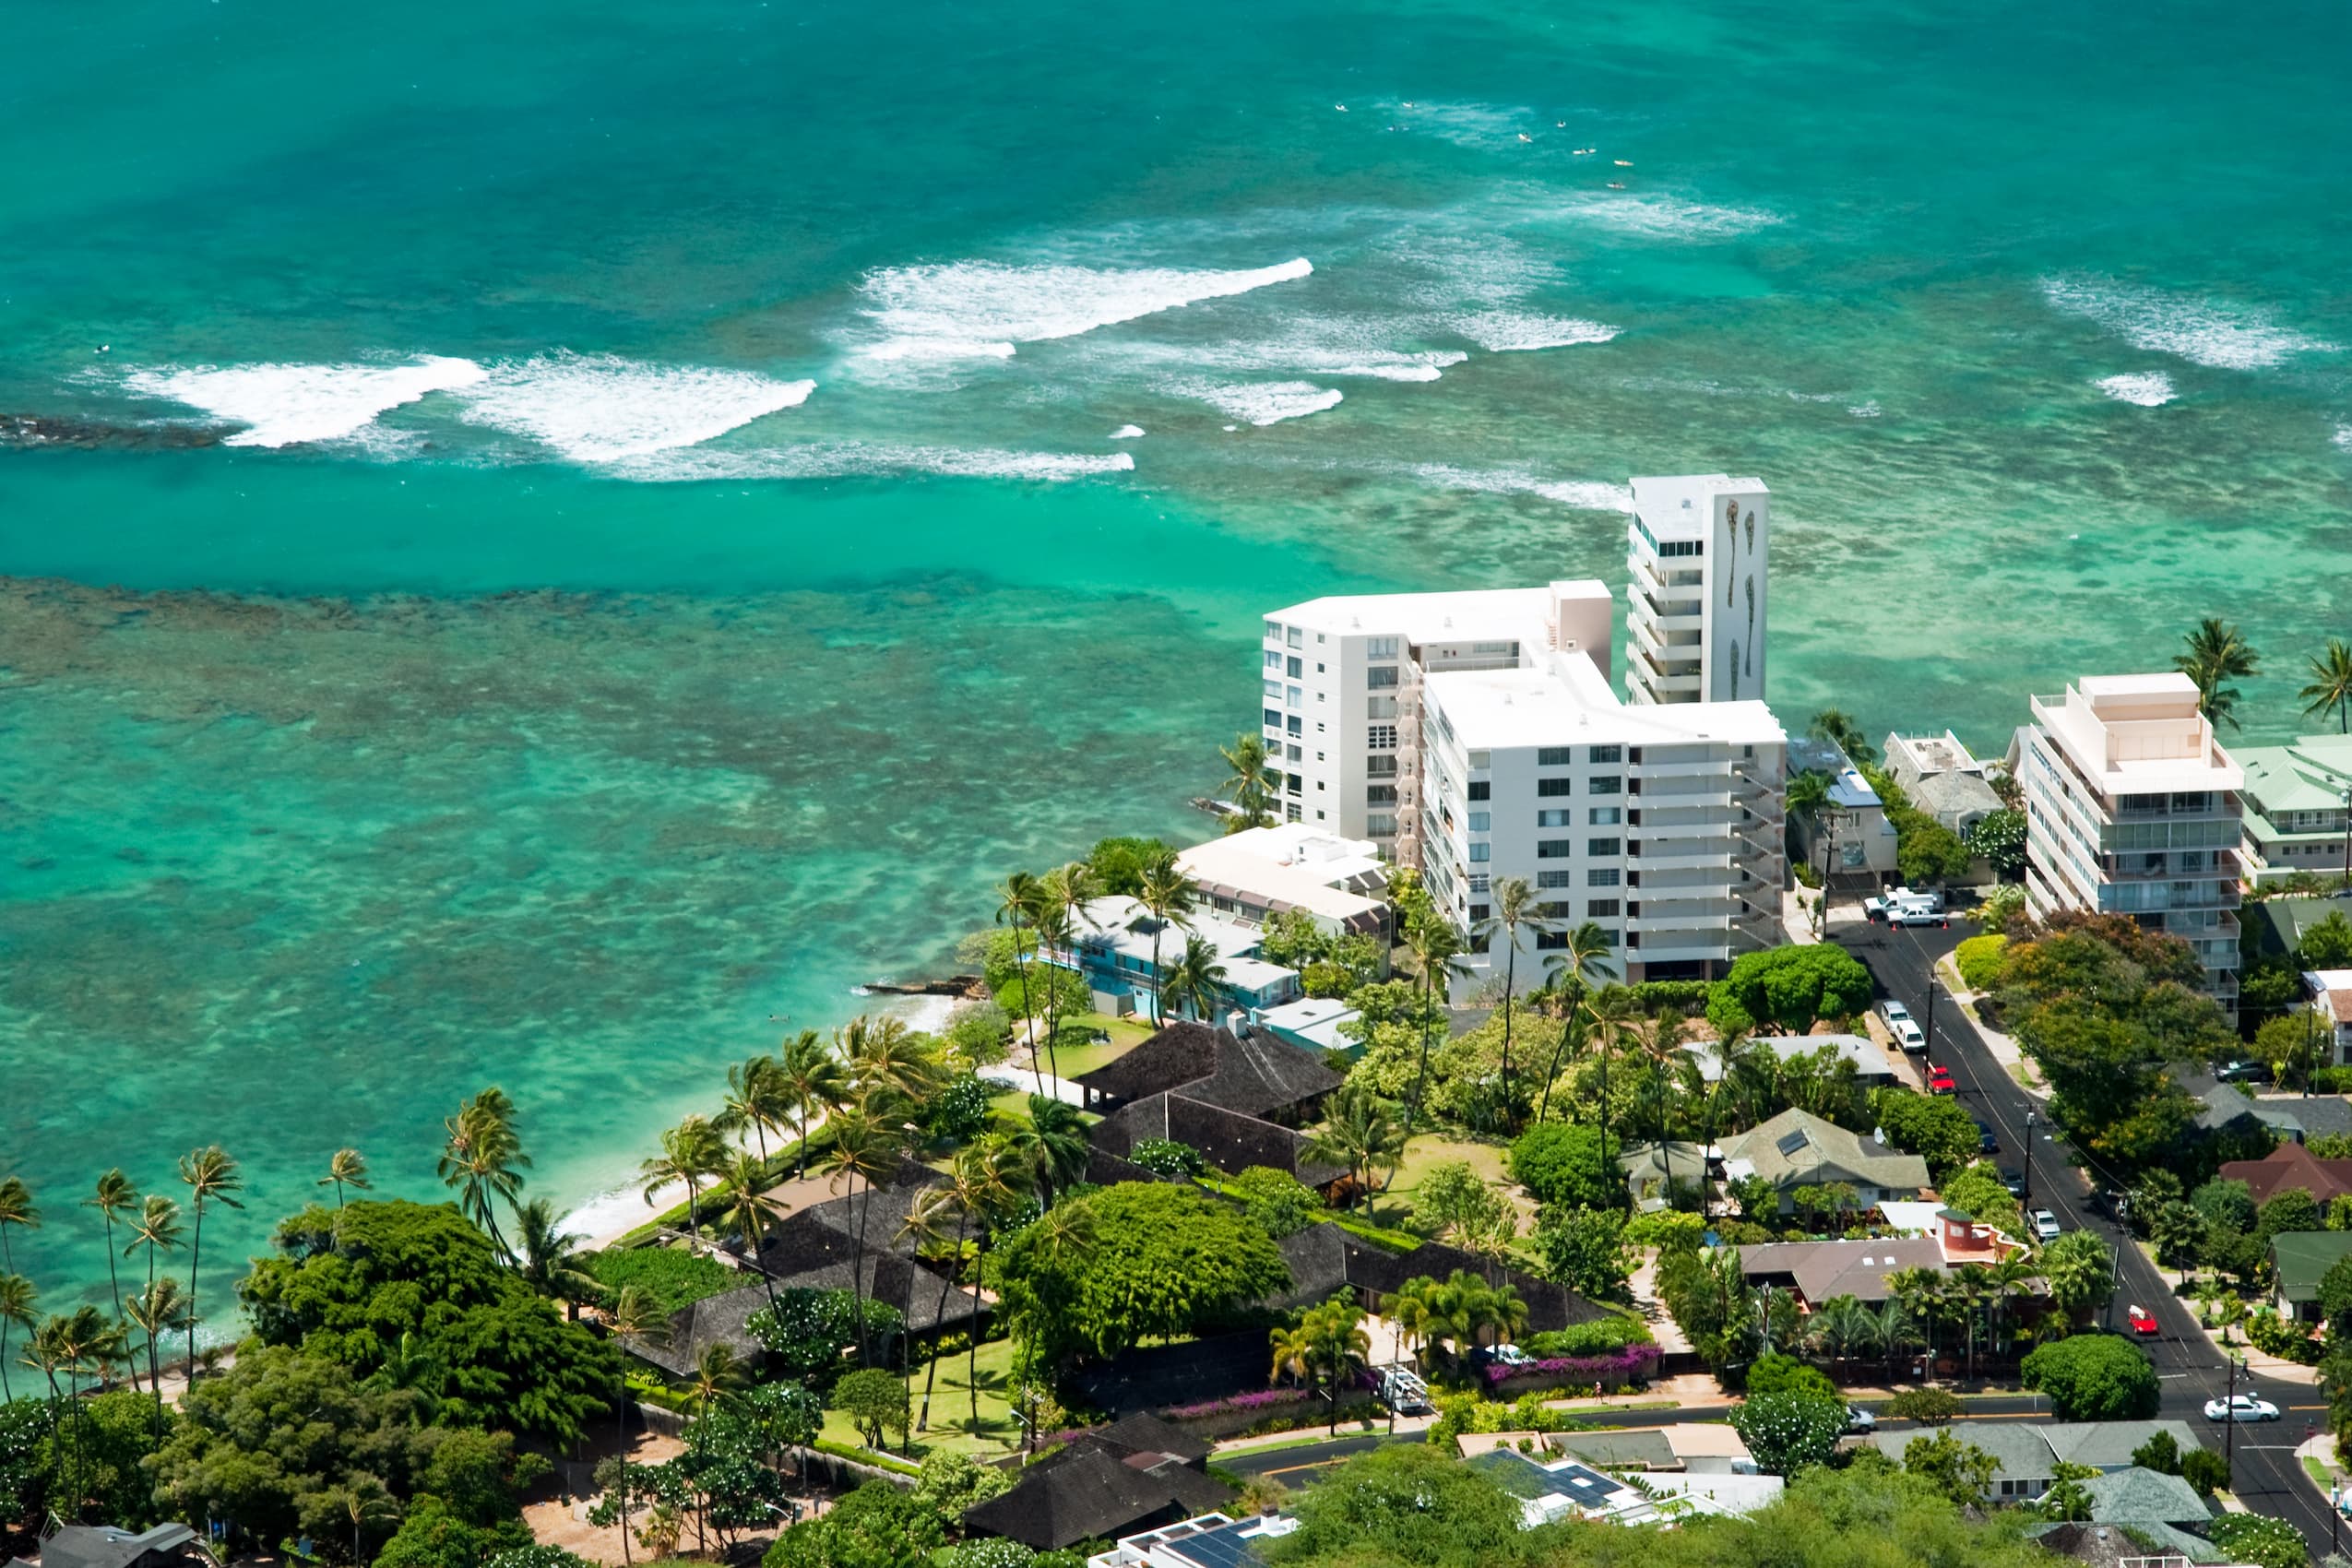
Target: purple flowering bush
(1634, 1363)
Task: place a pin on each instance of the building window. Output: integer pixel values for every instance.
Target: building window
(1551, 941)
(1601, 876)
(1296, 725)
(1479, 912)
(1380, 707)
(1380, 677)
(1380, 647)
(1381, 824)
(1608, 753)
(1381, 737)
(1273, 690)
(1273, 718)
(1555, 879)
(1294, 697)
(1601, 846)
(1295, 755)
(1608, 936)
(1681, 547)
(1555, 819)
(1555, 785)
(1596, 908)
(1380, 767)
(1274, 631)
(1479, 884)
(1604, 817)
(1380, 794)
(1290, 637)
(1554, 757)
(1555, 849)
(1294, 668)
(1290, 812)
(1609, 784)
(1297, 783)
(1481, 822)
(1481, 789)
(1480, 852)
(1273, 661)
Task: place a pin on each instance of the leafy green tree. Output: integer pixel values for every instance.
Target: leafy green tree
(1777, 1374)
(1929, 1406)
(2093, 1377)
(1163, 1259)
(1961, 1470)
(348, 1284)
(1936, 1129)
(875, 1401)
(2067, 1497)
(2327, 944)
(97, 1458)
(2205, 1470)
(2160, 1452)
(2225, 1205)
(1276, 1202)
(951, 1482)
(434, 1535)
(1789, 988)
(1118, 864)
(878, 1526)
(1453, 1198)
(539, 1555)
(2291, 1210)
(1560, 1163)
(1422, 1507)
(2000, 837)
(803, 1330)
(728, 1467)
(2260, 1539)
(1584, 1249)
(1165, 1156)
(2179, 1232)
(1787, 1434)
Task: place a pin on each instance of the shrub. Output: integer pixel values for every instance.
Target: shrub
(1688, 997)
(1559, 1162)
(1666, 1228)
(957, 1113)
(1165, 1157)
(805, 1330)
(2094, 1377)
(992, 1552)
(1634, 1363)
(1276, 1201)
(2275, 1336)
(1979, 960)
(2258, 1539)
(1789, 1432)
(1777, 1374)
(1929, 1406)
(2160, 1454)
(671, 1280)
(2204, 1469)
(1599, 1336)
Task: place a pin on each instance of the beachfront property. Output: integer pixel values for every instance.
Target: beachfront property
(2296, 800)
(1694, 612)
(1942, 777)
(1849, 834)
(2134, 808)
(1341, 883)
(1123, 950)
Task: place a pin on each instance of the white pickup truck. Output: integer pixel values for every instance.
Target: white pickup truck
(1905, 906)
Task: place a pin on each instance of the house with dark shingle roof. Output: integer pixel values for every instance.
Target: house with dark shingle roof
(1324, 1259)
(109, 1546)
(2300, 1260)
(1135, 1473)
(1240, 1098)
(2290, 1166)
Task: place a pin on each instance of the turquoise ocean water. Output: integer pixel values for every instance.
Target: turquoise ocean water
(597, 526)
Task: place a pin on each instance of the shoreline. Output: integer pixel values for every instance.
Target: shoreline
(611, 1212)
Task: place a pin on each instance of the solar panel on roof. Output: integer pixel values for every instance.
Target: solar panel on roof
(1589, 1489)
(1791, 1142)
(1220, 1548)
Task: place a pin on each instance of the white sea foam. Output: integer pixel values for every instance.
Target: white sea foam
(280, 405)
(2148, 388)
(602, 409)
(845, 459)
(1508, 331)
(2344, 436)
(978, 309)
(2201, 330)
(1482, 125)
(1584, 495)
(1128, 432)
(1260, 402)
(1318, 346)
(1868, 411)
(1668, 217)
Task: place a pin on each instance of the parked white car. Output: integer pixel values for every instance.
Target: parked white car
(2242, 1407)
(1910, 1036)
(1858, 1421)
(2045, 1225)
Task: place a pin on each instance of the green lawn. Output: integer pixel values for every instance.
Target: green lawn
(951, 1410)
(1426, 1151)
(2319, 1472)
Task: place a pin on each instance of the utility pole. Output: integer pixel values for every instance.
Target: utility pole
(2028, 1198)
(2229, 1422)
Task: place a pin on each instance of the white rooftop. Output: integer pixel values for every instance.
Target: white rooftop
(1128, 927)
(1675, 506)
(1472, 615)
(1564, 698)
(1293, 864)
(1314, 1018)
(1869, 1057)
(2139, 734)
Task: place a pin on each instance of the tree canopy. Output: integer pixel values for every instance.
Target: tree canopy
(1788, 990)
(1559, 1162)
(2093, 1377)
(1937, 1129)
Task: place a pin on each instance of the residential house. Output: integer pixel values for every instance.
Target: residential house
(1796, 1148)
(1125, 951)
(1552, 1489)
(1815, 1271)
(2289, 1167)
(109, 1546)
(2300, 1260)
(2225, 1109)
(1324, 1259)
(2164, 1509)
(2028, 1453)
(1340, 883)
(1873, 1068)
(1312, 1023)
(2150, 1544)
(1850, 833)
(1703, 1464)
(1240, 1098)
(2297, 798)
(1942, 779)
(1133, 1474)
(2328, 995)
(1212, 1540)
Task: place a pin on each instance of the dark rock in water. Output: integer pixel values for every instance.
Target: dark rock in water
(33, 432)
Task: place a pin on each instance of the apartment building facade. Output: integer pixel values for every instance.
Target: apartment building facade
(2134, 808)
(1696, 552)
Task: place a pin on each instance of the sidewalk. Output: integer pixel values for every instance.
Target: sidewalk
(2003, 1047)
(1021, 1078)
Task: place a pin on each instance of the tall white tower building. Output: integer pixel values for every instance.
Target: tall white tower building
(1694, 619)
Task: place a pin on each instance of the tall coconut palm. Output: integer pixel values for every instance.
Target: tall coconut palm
(980, 1183)
(751, 1212)
(1408, 1311)
(549, 1259)
(1573, 971)
(364, 1501)
(1052, 1144)
(815, 1080)
(892, 1069)
(1249, 783)
(1514, 910)
(757, 1101)
(691, 1152)
(925, 1229)
(1168, 896)
(2330, 685)
(16, 1213)
(635, 1319)
(1014, 896)
(1728, 1051)
(1050, 922)
(1614, 1013)
(348, 1169)
(18, 1302)
(113, 1195)
(212, 1177)
(1195, 980)
(864, 1149)
(1661, 1043)
(158, 1310)
(1436, 945)
(2213, 655)
(1359, 1131)
(484, 1159)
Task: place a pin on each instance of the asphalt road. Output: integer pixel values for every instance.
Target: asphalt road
(2268, 1477)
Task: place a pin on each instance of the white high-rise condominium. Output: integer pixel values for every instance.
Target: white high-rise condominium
(2134, 808)
(1694, 612)
(1476, 735)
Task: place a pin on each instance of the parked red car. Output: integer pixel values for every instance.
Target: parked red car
(1940, 1081)
(2142, 1321)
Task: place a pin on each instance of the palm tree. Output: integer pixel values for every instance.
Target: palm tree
(1409, 1312)
(18, 1302)
(1193, 982)
(17, 1211)
(633, 1314)
(1515, 910)
(2332, 685)
(690, 1151)
(750, 1209)
(1053, 1144)
(548, 1258)
(1841, 1326)
(2214, 654)
(364, 1498)
(891, 1067)
(348, 1169)
(1662, 1044)
(924, 1229)
(115, 1195)
(1294, 1352)
(1573, 971)
(1436, 945)
(1056, 932)
(2012, 1277)
(1014, 896)
(863, 1150)
(1841, 729)
(1336, 1341)
(1729, 1051)
(212, 1176)
(1614, 1011)
(980, 1183)
(716, 1374)
(483, 1159)
(1248, 784)
(1168, 896)
(1359, 1131)
(158, 1310)
(815, 1079)
(757, 1100)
